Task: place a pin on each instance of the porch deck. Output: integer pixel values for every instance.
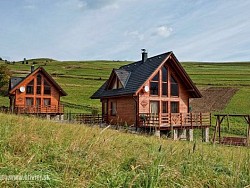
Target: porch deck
(48, 109)
(166, 121)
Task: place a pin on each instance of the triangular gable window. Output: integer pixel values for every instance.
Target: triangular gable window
(115, 83)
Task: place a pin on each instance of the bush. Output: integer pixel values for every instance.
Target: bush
(5, 75)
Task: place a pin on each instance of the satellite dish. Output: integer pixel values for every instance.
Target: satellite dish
(146, 89)
(22, 89)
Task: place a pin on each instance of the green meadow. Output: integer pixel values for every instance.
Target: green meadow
(73, 155)
(80, 79)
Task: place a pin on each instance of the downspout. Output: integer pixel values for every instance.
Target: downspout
(136, 110)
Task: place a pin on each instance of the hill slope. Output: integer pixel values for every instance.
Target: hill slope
(80, 79)
(79, 156)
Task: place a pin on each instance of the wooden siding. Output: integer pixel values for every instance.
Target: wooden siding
(125, 111)
(183, 98)
(21, 97)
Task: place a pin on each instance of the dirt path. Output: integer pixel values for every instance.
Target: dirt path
(214, 99)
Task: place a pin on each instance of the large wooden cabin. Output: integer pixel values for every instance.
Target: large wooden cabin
(151, 93)
(37, 93)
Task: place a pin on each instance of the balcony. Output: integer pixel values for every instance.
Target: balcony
(171, 120)
(48, 109)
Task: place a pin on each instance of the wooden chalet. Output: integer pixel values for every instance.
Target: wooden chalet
(152, 93)
(37, 93)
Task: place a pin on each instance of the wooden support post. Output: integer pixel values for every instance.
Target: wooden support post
(248, 132)
(205, 134)
(219, 129)
(175, 132)
(216, 129)
(190, 135)
(182, 134)
(158, 133)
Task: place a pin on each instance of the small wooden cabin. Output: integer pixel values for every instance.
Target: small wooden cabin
(153, 92)
(37, 93)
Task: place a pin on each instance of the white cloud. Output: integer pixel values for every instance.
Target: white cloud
(163, 31)
(134, 34)
(29, 7)
(97, 4)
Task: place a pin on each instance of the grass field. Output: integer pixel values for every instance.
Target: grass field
(81, 156)
(81, 79)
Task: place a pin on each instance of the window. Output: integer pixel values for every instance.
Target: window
(29, 101)
(116, 83)
(164, 107)
(39, 79)
(104, 108)
(164, 81)
(30, 87)
(38, 101)
(47, 88)
(174, 107)
(113, 108)
(46, 102)
(38, 83)
(154, 107)
(174, 87)
(154, 85)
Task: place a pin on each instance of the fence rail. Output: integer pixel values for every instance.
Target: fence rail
(48, 109)
(175, 119)
(84, 118)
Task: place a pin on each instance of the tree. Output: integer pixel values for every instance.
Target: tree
(5, 75)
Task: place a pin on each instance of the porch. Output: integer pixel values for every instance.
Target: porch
(167, 121)
(39, 109)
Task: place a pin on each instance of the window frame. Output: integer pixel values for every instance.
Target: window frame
(152, 81)
(30, 88)
(29, 98)
(113, 108)
(46, 85)
(177, 106)
(174, 85)
(164, 81)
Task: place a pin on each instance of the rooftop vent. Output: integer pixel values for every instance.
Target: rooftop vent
(144, 55)
(32, 68)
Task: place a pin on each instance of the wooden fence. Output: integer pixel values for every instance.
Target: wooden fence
(175, 119)
(48, 109)
(84, 118)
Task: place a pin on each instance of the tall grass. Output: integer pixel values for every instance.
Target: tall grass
(81, 156)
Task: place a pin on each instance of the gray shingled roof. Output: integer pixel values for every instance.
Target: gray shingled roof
(14, 81)
(139, 73)
(123, 76)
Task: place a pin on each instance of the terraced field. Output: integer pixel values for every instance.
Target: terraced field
(81, 79)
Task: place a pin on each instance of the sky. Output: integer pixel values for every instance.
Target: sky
(195, 30)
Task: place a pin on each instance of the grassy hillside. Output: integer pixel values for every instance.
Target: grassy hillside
(80, 156)
(81, 79)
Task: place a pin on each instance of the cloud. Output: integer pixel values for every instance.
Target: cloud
(134, 34)
(162, 31)
(98, 4)
(29, 7)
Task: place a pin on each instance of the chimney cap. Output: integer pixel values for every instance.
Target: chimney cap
(143, 50)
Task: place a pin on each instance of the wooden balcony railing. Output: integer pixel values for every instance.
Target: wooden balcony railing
(175, 119)
(48, 109)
